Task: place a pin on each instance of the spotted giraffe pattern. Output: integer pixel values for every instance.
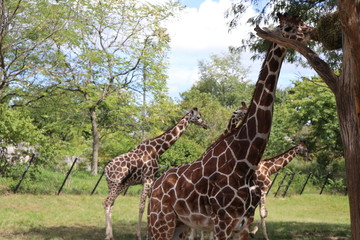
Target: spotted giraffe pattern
(265, 169)
(218, 192)
(236, 117)
(140, 165)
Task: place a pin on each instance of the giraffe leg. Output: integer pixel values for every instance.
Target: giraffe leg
(114, 191)
(192, 234)
(263, 215)
(180, 232)
(256, 228)
(144, 193)
(244, 234)
(211, 236)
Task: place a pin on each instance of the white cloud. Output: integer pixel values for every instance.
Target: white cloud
(198, 33)
(195, 35)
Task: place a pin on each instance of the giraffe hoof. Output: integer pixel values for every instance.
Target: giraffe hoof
(252, 235)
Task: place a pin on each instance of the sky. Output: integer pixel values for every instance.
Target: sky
(201, 31)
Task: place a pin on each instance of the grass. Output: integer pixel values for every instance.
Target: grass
(27, 216)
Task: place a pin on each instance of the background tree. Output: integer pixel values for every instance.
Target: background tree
(345, 85)
(223, 77)
(26, 28)
(106, 48)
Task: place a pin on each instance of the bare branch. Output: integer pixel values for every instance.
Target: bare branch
(321, 67)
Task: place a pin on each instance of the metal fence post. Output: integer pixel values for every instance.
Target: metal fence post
(307, 179)
(22, 177)
(67, 175)
(280, 185)
(325, 182)
(272, 183)
(289, 183)
(97, 183)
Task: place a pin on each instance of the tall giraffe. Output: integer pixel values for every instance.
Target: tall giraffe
(268, 167)
(235, 118)
(217, 192)
(140, 165)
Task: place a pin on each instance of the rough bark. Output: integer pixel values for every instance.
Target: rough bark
(348, 105)
(96, 141)
(346, 89)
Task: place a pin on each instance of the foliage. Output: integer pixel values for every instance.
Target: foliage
(310, 11)
(224, 78)
(307, 111)
(16, 127)
(110, 52)
(27, 27)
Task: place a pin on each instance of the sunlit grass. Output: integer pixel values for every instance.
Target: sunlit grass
(26, 216)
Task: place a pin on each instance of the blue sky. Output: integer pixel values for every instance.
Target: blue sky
(192, 3)
(201, 31)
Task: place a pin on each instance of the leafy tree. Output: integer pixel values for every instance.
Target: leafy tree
(344, 83)
(104, 53)
(224, 78)
(306, 112)
(16, 127)
(26, 27)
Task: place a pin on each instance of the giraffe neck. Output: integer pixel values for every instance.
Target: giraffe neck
(254, 130)
(273, 165)
(168, 138)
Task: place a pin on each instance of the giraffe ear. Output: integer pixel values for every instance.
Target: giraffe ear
(243, 104)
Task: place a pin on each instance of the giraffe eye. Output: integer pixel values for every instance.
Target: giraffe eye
(287, 29)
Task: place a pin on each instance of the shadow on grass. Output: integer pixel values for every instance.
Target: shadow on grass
(126, 231)
(306, 231)
(122, 231)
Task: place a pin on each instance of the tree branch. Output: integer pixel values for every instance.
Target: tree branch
(321, 67)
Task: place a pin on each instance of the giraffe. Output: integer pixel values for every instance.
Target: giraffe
(235, 118)
(268, 167)
(140, 165)
(218, 192)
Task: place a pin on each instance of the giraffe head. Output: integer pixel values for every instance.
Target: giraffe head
(294, 28)
(303, 151)
(241, 112)
(195, 117)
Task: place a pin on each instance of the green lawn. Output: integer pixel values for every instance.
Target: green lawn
(24, 216)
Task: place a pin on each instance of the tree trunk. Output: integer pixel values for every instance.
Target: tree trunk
(348, 105)
(96, 141)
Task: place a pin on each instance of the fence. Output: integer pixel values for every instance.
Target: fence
(282, 181)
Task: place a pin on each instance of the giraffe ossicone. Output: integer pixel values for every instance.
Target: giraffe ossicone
(139, 166)
(218, 192)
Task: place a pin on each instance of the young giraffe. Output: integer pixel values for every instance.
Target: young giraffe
(268, 167)
(140, 165)
(217, 192)
(236, 117)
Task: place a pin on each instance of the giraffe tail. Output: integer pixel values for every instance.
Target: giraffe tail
(128, 175)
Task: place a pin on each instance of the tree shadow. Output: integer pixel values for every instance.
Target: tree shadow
(306, 231)
(126, 231)
(122, 231)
